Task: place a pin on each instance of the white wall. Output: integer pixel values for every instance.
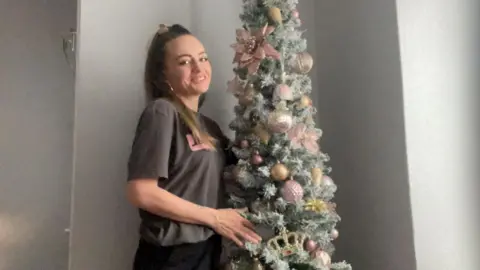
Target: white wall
(438, 62)
(113, 41)
(36, 130)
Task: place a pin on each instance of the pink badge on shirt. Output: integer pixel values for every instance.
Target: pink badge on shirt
(196, 146)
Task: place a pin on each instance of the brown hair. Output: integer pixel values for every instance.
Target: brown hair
(157, 86)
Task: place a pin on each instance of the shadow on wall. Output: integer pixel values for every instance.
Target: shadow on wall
(360, 109)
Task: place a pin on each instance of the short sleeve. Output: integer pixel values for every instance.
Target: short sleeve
(150, 153)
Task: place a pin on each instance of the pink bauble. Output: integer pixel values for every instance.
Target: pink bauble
(244, 144)
(334, 234)
(310, 245)
(280, 121)
(257, 159)
(295, 13)
(327, 181)
(292, 191)
(284, 92)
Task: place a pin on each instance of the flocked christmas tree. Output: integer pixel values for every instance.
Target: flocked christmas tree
(281, 176)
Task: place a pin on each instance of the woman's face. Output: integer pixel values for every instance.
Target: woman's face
(187, 67)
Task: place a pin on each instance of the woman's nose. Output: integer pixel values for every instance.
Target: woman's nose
(196, 66)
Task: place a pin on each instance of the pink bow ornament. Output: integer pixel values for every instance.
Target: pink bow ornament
(301, 136)
(250, 49)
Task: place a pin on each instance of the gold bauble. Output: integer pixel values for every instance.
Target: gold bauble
(279, 172)
(275, 14)
(262, 133)
(317, 175)
(303, 63)
(247, 97)
(305, 102)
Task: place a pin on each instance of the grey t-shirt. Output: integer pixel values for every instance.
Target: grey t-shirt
(164, 149)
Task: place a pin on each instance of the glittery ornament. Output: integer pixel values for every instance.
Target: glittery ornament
(252, 47)
(284, 92)
(304, 102)
(310, 245)
(292, 191)
(279, 172)
(327, 181)
(303, 136)
(334, 234)
(275, 14)
(256, 159)
(280, 121)
(303, 63)
(244, 144)
(287, 243)
(315, 205)
(317, 175)
(321, 259)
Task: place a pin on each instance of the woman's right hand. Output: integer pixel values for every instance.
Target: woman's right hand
(230, 224)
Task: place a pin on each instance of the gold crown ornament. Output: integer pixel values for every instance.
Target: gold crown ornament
(287, 243)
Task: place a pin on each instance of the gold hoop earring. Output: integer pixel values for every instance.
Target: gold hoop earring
(169, 85)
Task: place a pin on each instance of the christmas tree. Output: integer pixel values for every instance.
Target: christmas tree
(281, 175)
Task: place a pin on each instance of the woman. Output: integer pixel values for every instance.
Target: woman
(176, 163)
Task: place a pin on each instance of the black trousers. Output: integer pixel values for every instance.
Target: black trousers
(198, 256)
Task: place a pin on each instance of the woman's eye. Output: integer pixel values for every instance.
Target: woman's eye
(188, 61)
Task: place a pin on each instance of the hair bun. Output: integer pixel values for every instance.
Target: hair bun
(162, 28)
